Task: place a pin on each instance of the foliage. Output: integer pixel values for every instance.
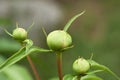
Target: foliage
(14, 72)
(28, 48)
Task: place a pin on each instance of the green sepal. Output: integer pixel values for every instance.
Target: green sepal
(71, 21)
(8, 33)
(28, 44)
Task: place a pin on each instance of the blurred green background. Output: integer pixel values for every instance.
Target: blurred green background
(97, 32)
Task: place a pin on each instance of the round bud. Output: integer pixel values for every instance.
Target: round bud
(58, 40)
(81, 66)
(19, 34)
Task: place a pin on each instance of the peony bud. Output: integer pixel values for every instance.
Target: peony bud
(58, 40)
(81, 66)
(19, 34)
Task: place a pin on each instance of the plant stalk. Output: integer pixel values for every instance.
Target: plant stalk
(59, 65)
(33, 68)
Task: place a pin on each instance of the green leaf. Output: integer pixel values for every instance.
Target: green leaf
(7, 45)
(71, 20)
(102, 67)
(23, 52)
(68, 77)
(90, 77)
(55, 78)
(14, 72)
(13, 59)
(93, 72)
(77, 77)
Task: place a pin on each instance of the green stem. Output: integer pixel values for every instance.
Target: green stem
(33, 68)
(59, 64)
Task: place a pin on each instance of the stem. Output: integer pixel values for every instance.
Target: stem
(33, 68)
(59, 65)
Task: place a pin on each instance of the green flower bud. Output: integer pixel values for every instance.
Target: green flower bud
(81, 66)
(19, 34)
(58, 40)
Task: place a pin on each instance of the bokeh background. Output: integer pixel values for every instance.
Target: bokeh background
(97, 32)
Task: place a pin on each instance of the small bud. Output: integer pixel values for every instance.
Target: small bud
(58, 40)
(19, 34)
(81, 66)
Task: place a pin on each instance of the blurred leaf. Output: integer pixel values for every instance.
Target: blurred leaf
(55, 78)
(7, 45)
(14, 72)
(13, 59)
(94, 71)
(23, 52)
(90, 77)
(5, 21)
(68, 77)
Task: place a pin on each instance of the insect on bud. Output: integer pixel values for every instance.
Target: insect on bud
(19, 34)
(81, 66)
(58, 40)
